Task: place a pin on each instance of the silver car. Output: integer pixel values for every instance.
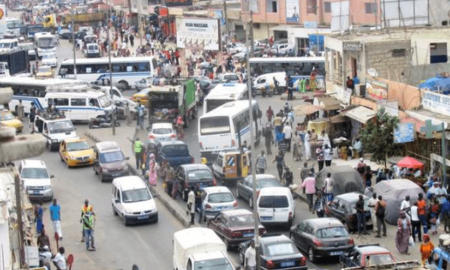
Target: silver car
(162, 132)
(143, 83)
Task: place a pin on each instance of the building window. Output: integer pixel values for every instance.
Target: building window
(154, 2)
(272, 6)
(399, 53)
(327, 7)
(438, 53)
(370, 8)
(312, 6)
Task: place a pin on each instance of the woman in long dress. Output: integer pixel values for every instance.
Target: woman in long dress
(40, 213)
(307, 145)
(152, 170)
(403, 233)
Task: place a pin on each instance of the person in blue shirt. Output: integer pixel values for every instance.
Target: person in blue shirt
(55, 215)
(355, 80)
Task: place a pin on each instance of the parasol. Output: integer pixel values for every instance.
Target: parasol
(409, 162)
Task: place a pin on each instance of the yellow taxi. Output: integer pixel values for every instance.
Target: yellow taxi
(45, 72)
(76, 152)
(8, 119)
(141, 97)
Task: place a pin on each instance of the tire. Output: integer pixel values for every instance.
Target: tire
(90, 125)
(311, 256)
(114, 211)
(156, 220)
(227, 244)
(96, 173)
(123, 85)
(250, 202)
(101, 178)
(125, 221)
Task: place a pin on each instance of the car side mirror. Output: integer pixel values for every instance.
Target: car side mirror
(116, 200)
(52, 176)
(127, 158)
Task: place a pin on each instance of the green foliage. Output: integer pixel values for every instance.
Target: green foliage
(377, 137)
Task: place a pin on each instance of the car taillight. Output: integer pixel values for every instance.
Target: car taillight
(214, 182)
(351, 242)
(192, 160)
(270, 265)
(317, 243)
(235, 204)
(303, 261)
(290, 215)
(233, 142)
(201, 145)
(151, 137)
(172, 136)
(236, 234)
(207, 206)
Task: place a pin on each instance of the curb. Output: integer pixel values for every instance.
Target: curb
(162, 196)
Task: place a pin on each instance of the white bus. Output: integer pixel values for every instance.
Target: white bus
(45, 43)
(31, 90)
(220, 129)
(224, 93)
(125, 70)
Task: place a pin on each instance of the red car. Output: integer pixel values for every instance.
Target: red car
(234, 226)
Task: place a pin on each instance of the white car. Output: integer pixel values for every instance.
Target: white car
(50, 59)
(235, 47)
(216, 199)
(228, 77)
(162, 132)
(36, 180)
(282, 48)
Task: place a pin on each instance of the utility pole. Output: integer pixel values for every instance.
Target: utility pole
(444, 156)
(74, 41)
(317, 30)
(138, 26)
(113, 113)
(19, 217)
(227, 27)
(250, 43)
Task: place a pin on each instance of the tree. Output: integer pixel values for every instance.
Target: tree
(377, 137)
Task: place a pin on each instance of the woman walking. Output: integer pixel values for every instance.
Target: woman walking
(403, 233)
(426, 248)
(152, 170)
(40, 213)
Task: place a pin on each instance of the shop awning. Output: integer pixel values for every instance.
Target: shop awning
(435, 118)
(360, 114)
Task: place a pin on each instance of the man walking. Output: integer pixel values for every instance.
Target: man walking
(328, 187)
(138, 147)
(380, 210)
(250, 257)
(288, 177)
(310, 188)
(88, 228)
(141, 115)
(268, 136)
(372, 204)
(20, 110)
(279, 159)
(261, 163)
(84, 209)
(421, 211)
(360, 214)
(287, 131)
(191, 204)
(55, 215)
(128, 114)
(32, 117)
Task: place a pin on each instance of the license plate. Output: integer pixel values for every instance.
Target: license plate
(36, 192)
(219, 207)
(336, 253)
(266, 218)
(287, 264)
(115, 174)
(144, 217)
(249, 234)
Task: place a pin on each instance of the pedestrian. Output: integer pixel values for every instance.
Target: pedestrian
(20, 110)
(361, 215)
(88, 228)
(327, 155)
(287, 131)
(138, 150)
(59, 260)
(39, 216)
(282, 147)
(319, 205)
(172, 177)
(268, 138)
(445, 213)
(288, 177)
(55, 215)
(198, 202)
(324, 138)
(368, 176)
(141, 115)
(152, 171)
(279, 159)
(310, 187)
(434, 215)
(191, 204)
(405, 206)
(250, 257)
(132, 40)
(421, 210)
(261, 163)
(269, 114)
(440, 193)
(32, 116)
(328, 187)
(307, 145)
(415, 223)
(84, 209)
(177, 57)
(180, 127)
(45, 257)
(297, 151)
(372, 204)
(128, 114)
(403, 234)
(357, 149)
(319, 156)
(426, 249)
(278, 123)
(43, 239)
(380, 211)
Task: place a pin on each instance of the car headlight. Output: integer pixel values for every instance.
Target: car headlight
(47, 187)
(125, 167)
(127, 211)
(104, 170)
(54, 140)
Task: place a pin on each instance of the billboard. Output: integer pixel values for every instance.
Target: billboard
(340, 16)
(402, 13)
(376, 90)
(199, 33)
(292, 11)
(437, 103)
(404, 133)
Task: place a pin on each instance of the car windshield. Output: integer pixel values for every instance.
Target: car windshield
(48, 56)
(5, 45)
(109, 157)
(280, 249)
(6, 116)
(162, 131)
(242, 221)
(377, 259)
(269, 182)
(34, 173)
(77, 146)
(176, 150)
(220, 197)
(136, 195)
(13, 24)
(273, 202)
(231, 77)
(104, 101)
(61, 126)
(199, 175)
(47, 42)
(332, 232)
(214, 264)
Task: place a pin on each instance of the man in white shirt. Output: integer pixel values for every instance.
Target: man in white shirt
(371, 204)
(328, 187)
(406, 207)
(287, 130)
(440, 193)
(250, 257)
(191, 205)
(60, 261)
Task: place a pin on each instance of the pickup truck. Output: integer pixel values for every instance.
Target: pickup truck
(174, 152)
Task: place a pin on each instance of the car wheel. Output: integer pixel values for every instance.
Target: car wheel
(156, 219)
(125, 221)
(227, 244)
(101, 178)
(123, 85)
(114, 211)
(250, 202)
(311, 257)
(237, 193)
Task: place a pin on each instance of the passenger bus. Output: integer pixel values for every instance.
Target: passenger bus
(31, 90)
(224, 93)
(125, 70)
(222, 128)
(45, 43)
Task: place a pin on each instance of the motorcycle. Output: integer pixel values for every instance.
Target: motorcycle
(102, 121)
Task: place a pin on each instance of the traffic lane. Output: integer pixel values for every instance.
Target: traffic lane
(117, 246)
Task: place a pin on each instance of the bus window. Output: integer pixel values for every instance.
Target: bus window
(61, 101)
(93, 102)
(78, 102)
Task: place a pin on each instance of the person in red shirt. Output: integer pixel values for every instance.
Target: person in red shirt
(177, 56)
(421, 206)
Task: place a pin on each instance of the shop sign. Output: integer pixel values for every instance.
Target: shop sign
(198, 33)
(353, 46)
(404, 133)
(376, 90)
(437, 103)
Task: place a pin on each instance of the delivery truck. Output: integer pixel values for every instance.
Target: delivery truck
(17, 61)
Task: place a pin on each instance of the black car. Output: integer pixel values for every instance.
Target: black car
(277, 252)
(321, 238)
(65, 34)
(343, 208)
(244, 188)
(191, 175)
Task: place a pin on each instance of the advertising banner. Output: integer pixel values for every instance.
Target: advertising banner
(437, 103)
(404, 133)
(376, 90)
(292, 11)
(198, 33)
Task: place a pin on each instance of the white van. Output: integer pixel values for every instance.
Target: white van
(260, 82)
(55, 128)
(80, 106)
(36, 180)
(132, 201)
(199, 248)
(9, 45)
(92, 50)
(276, 206)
